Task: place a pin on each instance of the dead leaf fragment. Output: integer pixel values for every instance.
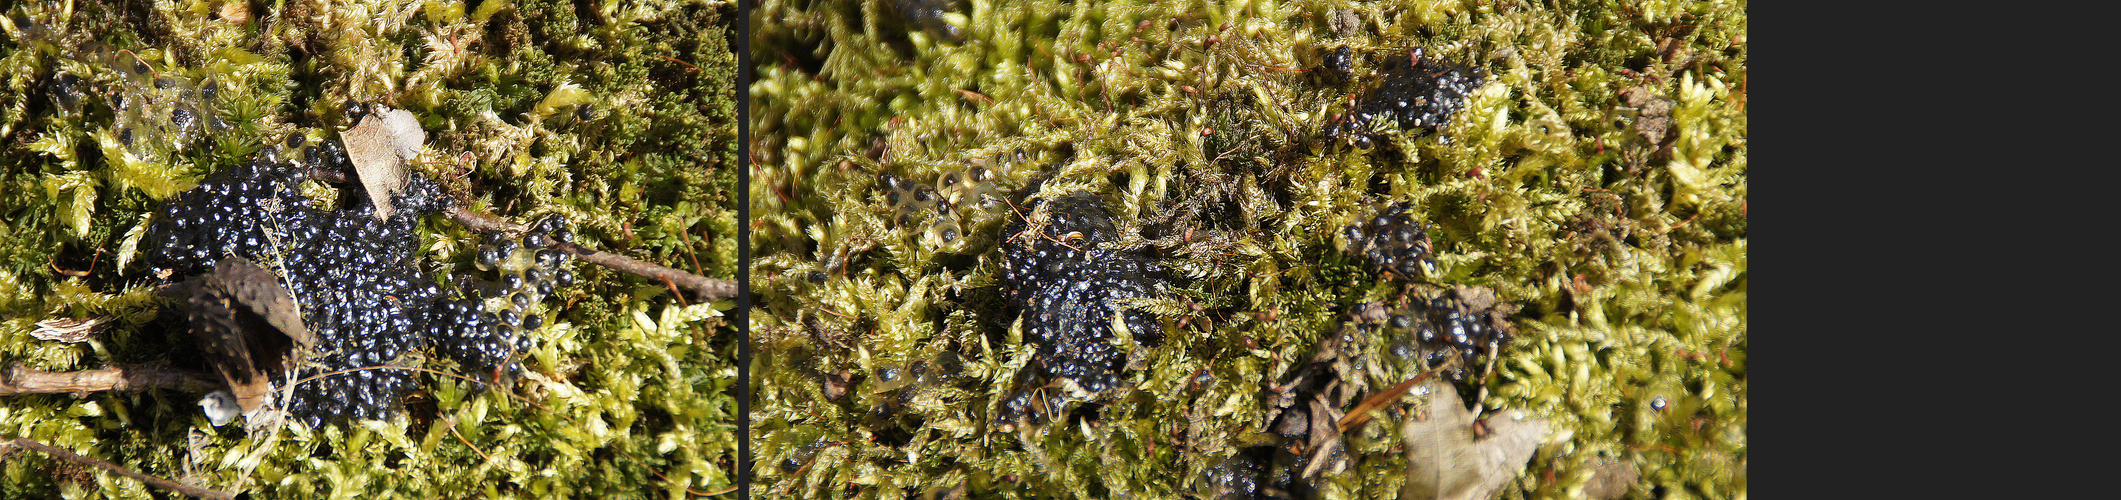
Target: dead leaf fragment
(1445, 461)
(1346, 23)
(1655, 116)
(379, 148)
(248, 327)
(1329, 454)
(70, 330)
(1611, 479)
(235, 12)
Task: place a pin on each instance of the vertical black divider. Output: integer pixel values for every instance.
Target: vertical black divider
(743, 250)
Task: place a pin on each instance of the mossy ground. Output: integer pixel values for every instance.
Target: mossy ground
(1202, 123)
(621, 116)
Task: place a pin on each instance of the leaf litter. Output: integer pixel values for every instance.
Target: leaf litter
(1452, 456)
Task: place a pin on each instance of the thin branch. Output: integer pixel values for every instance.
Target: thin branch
(708, 288)
(25, 380)
(115, 469)
(483, 223)
(1356, 417)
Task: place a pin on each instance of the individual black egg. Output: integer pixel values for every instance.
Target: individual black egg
(488, 257)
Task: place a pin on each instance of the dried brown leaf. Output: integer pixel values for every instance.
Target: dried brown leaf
(248, 327)
(1329, 454)
(1446, 461)
(1611, 480)
(379, 148)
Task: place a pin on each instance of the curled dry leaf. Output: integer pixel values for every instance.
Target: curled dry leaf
(379, 148)
(1446, 461)
(248, 327)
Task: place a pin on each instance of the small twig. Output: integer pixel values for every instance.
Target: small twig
(116, 469)
(142, 61)
(1355, 418)
(483, 223)
(25, 380)
(1482, 399)
(836, 313)
(708, 288)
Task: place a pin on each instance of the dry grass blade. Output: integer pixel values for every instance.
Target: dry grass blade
(1361, 413)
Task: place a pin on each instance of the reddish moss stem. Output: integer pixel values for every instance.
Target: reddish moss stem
(115, 469)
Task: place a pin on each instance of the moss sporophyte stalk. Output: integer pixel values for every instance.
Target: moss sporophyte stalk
(1329, 249)
(424, 249)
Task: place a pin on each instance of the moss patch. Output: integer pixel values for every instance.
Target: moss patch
(621, 117)
(1598, 179)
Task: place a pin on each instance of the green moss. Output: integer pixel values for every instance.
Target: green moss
(621, 117)
(1629, 261)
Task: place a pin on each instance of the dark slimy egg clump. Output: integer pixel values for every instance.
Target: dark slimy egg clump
(358, 279)
(1391, 241)
(1068, 287)
(1414, 94)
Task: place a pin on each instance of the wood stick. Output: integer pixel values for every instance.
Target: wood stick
(708, 288)
(25, 380)
(483, 223)
(116, 469)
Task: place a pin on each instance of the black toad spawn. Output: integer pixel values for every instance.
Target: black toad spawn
(1391, 242)
(1467, 321)
(1069, 287)
(1415, 95)
(356, 277)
